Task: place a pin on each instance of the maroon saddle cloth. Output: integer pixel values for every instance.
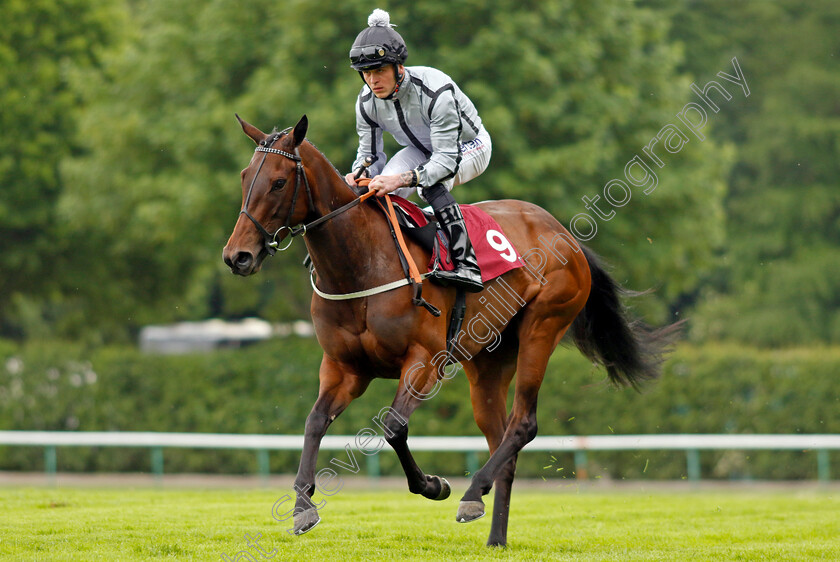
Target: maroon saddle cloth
(494, 252)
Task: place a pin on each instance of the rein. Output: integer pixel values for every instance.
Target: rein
(302, 229)
(413, 276)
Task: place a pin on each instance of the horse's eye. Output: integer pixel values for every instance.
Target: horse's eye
(278, 184)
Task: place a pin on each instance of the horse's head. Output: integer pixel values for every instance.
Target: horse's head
(275, 197)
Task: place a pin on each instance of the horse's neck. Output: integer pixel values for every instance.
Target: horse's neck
(351, 250)
(329, 190)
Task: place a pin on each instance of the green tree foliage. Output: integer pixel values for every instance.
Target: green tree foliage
(570, 91)
(157, 191)
(41, 43)
(778, 281)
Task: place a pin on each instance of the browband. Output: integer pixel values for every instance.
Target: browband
(288, 155)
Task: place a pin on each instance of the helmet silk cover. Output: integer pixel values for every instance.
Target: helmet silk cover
(378, 44)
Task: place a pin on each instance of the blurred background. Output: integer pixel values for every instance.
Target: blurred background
(119, 184)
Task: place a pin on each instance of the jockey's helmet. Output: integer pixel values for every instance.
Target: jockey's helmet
(378, 44)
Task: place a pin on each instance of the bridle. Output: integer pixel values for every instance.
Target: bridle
(270, 241)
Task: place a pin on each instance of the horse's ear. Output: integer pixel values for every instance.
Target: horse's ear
(255, 134)
(300, 130)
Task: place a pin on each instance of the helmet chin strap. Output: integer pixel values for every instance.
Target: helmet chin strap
(398, 78)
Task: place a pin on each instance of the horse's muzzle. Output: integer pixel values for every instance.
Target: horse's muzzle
(241, 263)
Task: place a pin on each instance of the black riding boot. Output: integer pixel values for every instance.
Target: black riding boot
(467, 274)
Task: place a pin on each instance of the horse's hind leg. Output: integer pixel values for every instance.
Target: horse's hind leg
(490, 376)
(541, 327)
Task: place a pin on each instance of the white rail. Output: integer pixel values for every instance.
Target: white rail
(456, 444)
(690, 443)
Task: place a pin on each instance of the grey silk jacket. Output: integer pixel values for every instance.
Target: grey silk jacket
(429, 112)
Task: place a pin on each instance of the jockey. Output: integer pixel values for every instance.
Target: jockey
(428, 114)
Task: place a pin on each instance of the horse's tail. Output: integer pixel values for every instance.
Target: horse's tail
(606, 333)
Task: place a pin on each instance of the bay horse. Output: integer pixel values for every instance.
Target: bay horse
(289, 183)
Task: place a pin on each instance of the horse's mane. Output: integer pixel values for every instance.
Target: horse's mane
(281, 134)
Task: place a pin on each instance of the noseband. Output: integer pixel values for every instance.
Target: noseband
(270, 240)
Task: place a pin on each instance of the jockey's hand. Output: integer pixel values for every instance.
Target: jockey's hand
(350, 178)
(386, 184)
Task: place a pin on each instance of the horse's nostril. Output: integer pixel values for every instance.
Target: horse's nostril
(240, 262)
(243, 260)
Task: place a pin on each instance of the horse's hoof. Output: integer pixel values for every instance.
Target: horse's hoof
(306, 520)
(445, 489)
(441, 493)
(469, 511)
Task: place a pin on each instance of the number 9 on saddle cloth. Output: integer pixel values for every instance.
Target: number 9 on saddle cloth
(495, 254)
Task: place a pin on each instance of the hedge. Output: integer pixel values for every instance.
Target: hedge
(269, 388)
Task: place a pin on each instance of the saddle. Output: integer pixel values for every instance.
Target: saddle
(422, 227)
(495, 254)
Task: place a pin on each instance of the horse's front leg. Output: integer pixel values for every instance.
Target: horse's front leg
(339, 385)
(417, 383)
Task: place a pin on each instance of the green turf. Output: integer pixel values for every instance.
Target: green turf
(142, 524)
